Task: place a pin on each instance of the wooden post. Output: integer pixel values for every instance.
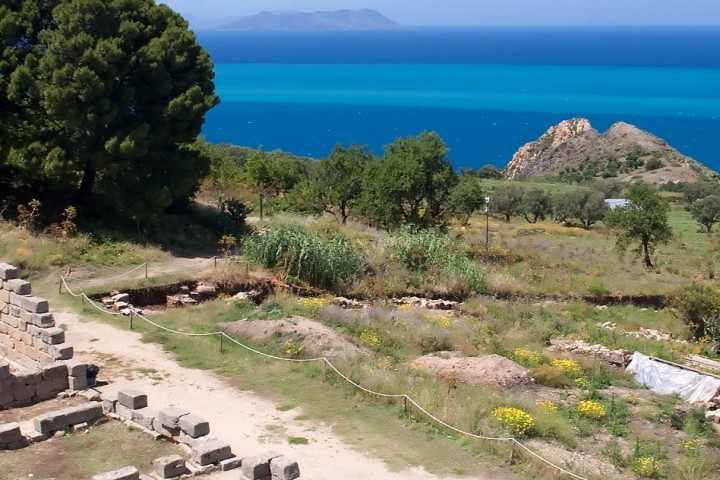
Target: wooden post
(221, 342)
(82, 299)
(247, 269)
(131, 319)
(261, 206)
(512, 452)
(215, 258)
(60, 286)
(405, 406)
(145, 269)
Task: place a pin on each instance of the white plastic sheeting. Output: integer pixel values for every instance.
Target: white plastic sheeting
(667, 379)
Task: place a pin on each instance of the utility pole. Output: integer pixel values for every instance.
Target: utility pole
(487, 222)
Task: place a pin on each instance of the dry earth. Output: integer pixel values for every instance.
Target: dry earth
(242, 418)
(486, 370)
(317, 339)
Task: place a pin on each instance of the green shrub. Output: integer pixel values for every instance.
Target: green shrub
(323, 262)
(549, 376)
(438, 256)
(698, 306)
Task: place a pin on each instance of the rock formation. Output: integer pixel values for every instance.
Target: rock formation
(574, 147)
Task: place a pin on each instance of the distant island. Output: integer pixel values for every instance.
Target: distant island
(340, 20)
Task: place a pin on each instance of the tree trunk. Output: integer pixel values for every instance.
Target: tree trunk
(646, 251)
(84, 193)
(343, 213)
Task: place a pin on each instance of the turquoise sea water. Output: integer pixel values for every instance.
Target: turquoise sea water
(484, 112)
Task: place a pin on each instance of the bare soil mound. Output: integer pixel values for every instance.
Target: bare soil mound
(317, 339)
(487, 370)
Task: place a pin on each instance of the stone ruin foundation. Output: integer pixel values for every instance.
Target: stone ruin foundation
(35, 362)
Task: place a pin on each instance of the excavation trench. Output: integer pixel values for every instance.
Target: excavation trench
(157, 295)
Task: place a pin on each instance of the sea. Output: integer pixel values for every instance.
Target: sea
(485, 90)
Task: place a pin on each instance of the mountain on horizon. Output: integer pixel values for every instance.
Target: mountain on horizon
(339, 20)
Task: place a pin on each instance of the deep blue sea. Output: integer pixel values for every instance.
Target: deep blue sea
(486, 91)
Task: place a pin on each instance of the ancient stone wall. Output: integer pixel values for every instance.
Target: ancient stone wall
(35, 361)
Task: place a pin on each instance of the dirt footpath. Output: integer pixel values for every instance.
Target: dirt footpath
(252, 425)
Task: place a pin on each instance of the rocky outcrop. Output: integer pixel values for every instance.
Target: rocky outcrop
(624, 151)
(340, 20)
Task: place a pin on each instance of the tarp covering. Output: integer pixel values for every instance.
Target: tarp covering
(667, 379)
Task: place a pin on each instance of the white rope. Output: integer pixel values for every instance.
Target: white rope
(343, 376)
(115, 277)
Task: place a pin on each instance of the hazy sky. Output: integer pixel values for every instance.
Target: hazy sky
(481, 12)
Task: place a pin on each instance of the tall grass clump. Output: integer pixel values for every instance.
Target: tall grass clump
(438, 256)
(331, 262)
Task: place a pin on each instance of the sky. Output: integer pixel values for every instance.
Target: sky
(480, 12)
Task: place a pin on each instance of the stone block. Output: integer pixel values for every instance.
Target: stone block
(257, 467)
(44, 389)
(10, 432)
(23, 393)
(132, 398)
(63, 351)
(34, 304)
(109, 404)
(60, 383)
(284, 468)
(45, 359)
(194, 425)
(50, 422)
(8, 272)
(15, 301)
(6, 398)
(121, 297)
(26, 338)
(76, 368)
(163, 430)
(55, 370)
(170, 416)
(19, 286)
(52, 335)
(22, 443)
(42, 320)
(87, 412)
(10, 320)
(125, 473)
(169, 467)
(4, 296)
(211, 450)
(77, 383)
(4, 370)
(123, 411)
(145, 417)
(230, 463)
(32, 378)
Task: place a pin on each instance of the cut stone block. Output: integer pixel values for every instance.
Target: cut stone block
(44, 389)
(132, 398)
(4, 370)
(19, 286)
(55, 370)
(42, 320)
(230, 463)
(121, 297)
(257, 467)
(34, 304)
(51, 335)
(284, 468)
(169, 467)
(59, 420)
(163, 430)
(24, 393)
(10, 432)
(124, 411)
(8, 272)
(125, 473)
(63, 351)
(76, 368)
(194, 425)
(60, 383)
(109, 404)
(77, 383)
(211, 450)
(170, 416)
(145, 417)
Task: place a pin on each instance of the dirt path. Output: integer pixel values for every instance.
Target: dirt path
(251, 424)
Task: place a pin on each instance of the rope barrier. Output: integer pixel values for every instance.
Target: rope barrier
(513, 441)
